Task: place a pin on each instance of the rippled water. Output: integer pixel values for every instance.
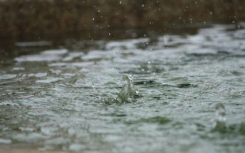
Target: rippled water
(191, 92)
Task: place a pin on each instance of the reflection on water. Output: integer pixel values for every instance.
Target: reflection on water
(54, 99)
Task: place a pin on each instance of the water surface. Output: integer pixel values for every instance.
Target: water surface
(54, 99)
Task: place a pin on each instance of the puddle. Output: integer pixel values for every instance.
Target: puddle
(173, 93)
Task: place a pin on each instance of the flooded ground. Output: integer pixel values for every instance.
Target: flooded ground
(186, 94)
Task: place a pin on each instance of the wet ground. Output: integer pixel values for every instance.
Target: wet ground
(190, 94)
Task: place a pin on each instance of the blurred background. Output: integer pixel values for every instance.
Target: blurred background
(39, 18)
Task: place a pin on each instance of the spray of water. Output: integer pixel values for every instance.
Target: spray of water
(126, 95)
(220, 124)
(220, 112)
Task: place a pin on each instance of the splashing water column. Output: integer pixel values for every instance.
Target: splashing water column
(127, 94)
(220, 124)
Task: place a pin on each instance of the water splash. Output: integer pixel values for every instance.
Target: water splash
(127, 94)
(220, 112)
(220, 124)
